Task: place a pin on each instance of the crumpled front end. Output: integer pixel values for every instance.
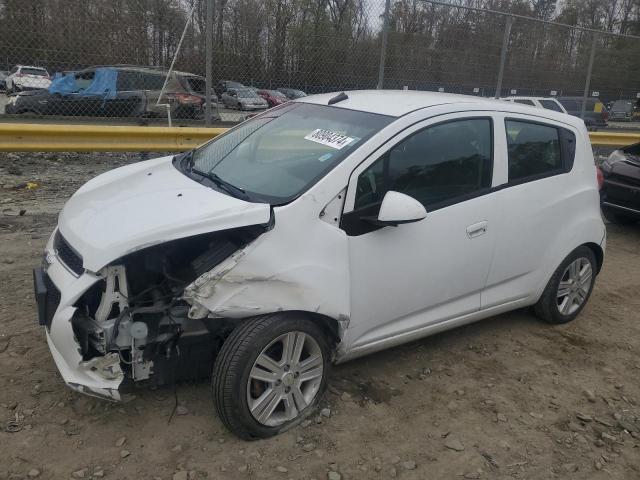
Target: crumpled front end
(129, 321)
(57, 304)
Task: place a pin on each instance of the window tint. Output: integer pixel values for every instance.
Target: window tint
(569, 105)
(524, 102)
(39, 72)
(130, 81)
(434, 166)
(534, 150)
(550, 105)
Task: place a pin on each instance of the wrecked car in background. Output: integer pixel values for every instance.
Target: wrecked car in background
(114, 92)
(301, 238)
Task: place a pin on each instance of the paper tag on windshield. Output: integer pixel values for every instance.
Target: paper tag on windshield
(329, 138)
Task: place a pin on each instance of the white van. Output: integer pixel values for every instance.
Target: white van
(327, 228)
(549, 103)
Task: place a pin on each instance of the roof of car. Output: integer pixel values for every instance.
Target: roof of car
(401, 102)
(525, 97)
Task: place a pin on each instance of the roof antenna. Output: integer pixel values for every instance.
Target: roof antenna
(338, 98)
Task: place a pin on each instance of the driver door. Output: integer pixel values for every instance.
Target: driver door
(419, 274)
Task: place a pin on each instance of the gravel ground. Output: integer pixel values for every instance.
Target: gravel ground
(509, 397)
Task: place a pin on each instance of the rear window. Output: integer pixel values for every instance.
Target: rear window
(196, 84)
(40, 72)
(534, 150)
(550, 105)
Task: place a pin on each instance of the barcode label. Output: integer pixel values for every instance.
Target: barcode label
(329, 138)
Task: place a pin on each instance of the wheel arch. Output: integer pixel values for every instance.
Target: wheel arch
(598, 252)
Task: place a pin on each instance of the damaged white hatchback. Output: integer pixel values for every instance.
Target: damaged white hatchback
(316, 232)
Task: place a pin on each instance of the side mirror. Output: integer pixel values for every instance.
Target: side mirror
(398, 208)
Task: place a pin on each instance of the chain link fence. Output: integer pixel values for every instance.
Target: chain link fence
(145, 61)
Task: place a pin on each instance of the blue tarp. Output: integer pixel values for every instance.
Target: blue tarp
(63, 84)
(103, 85)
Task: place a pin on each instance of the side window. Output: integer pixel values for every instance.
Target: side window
(84, 79)
(126, 81)
(534, 150)
(435, 165)
(524, 102)
(152, 82)
(550, 105)
(570, 105)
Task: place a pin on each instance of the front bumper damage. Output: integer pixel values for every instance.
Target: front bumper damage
(96, 378)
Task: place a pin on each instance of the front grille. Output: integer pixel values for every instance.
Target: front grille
(52, 300)
(67, 255)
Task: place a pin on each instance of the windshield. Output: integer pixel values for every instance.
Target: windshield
(247, 93)
(276, 156)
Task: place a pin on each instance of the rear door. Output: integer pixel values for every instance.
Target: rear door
(534, 205)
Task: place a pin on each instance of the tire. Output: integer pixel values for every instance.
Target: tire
(618, 218)
(276, 402)
(556, 309)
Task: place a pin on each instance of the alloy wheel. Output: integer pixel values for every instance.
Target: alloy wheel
(574, 286)
(285, 378)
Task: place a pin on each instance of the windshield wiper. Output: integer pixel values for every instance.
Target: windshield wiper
(230, 188)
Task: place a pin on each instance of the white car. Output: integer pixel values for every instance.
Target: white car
(549, 103)
(327, 228)
(23, 78)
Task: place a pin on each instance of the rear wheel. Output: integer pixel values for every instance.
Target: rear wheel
(614, 216)
(270, 374)
(569, 288)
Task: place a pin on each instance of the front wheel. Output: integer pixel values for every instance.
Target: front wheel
(569, 288)
(270, 374)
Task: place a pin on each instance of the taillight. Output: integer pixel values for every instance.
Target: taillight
(605, 115)
(187, 99)
(599, 177)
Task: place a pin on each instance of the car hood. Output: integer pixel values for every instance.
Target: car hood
(144, 204)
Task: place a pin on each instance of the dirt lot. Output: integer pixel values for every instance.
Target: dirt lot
(508, 397)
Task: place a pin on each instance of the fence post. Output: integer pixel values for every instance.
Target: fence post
(209, 61)
(503, 54)
(588, 81)
(383, 48)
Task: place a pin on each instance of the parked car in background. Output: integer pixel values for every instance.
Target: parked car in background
(622, 110)
(223, 85)
(243, 99)
(620, 193)
(292, 93)
(116, 91)
(3, 84)
(595, 113)
(550, 103)
(259, 255)
(273, 97)
(22, 78)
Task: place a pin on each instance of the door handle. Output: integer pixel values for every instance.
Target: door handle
(477, 229)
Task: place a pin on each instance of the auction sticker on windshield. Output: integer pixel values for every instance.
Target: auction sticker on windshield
(329, 138)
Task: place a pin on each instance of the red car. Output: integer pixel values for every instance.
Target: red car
(273, 97)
